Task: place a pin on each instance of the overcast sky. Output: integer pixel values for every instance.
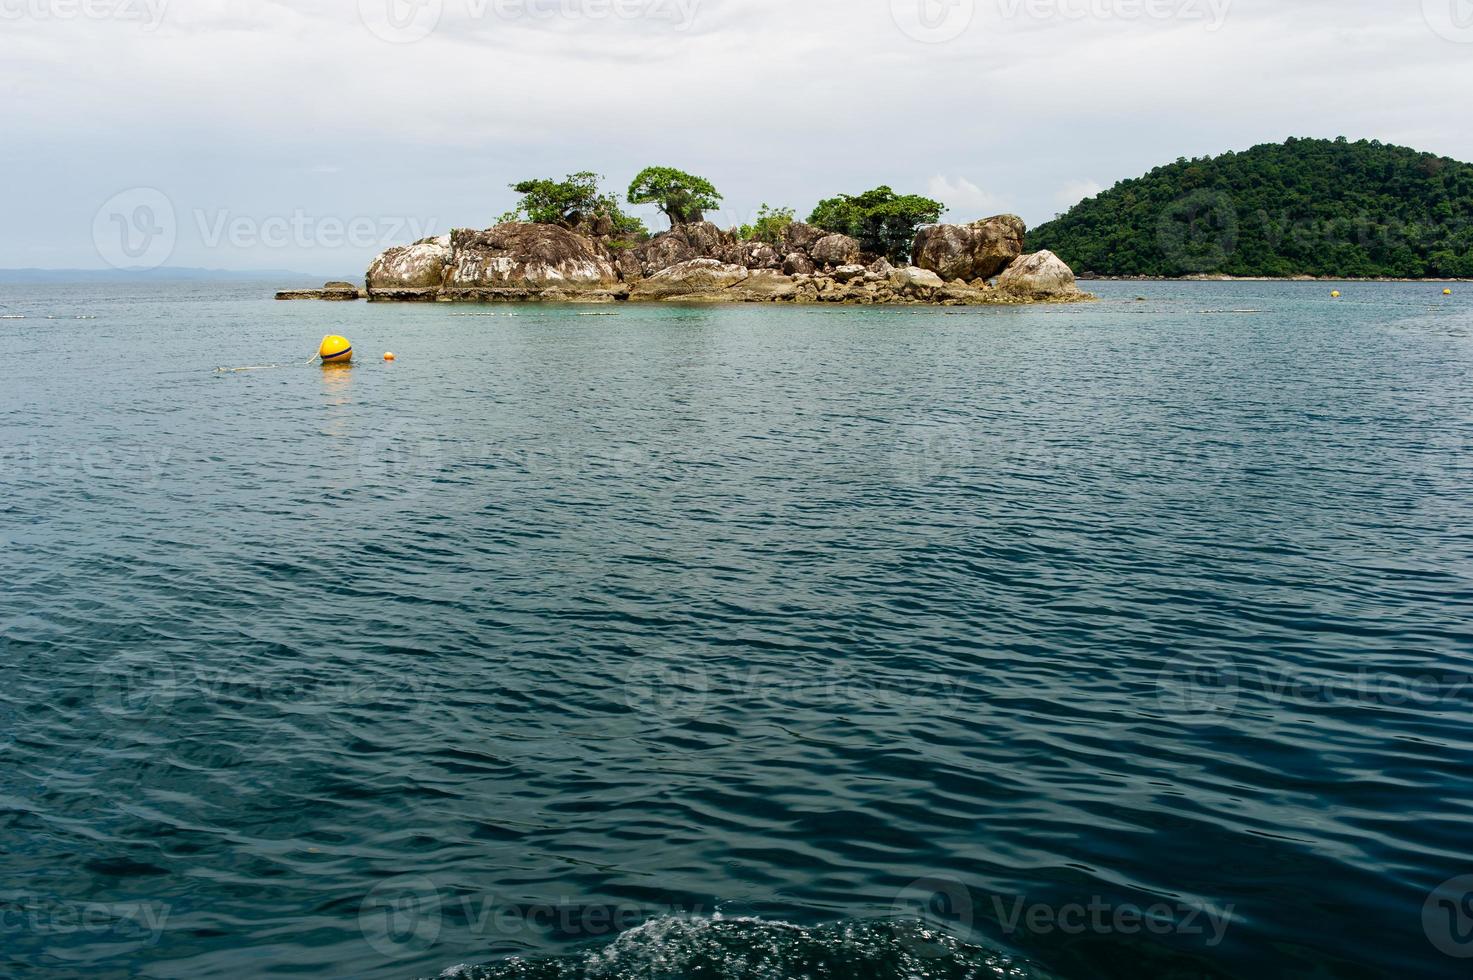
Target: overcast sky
(310, 134)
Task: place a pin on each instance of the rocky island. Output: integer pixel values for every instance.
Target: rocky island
(518, 262)
(566, 242)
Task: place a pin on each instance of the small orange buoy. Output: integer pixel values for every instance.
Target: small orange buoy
(335, 350)
(389, 355)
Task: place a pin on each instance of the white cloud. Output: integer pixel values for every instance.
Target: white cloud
(964, 200)
(1075, 191)
(228, 104)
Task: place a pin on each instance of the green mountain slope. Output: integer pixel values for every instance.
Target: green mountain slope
(1305, 207)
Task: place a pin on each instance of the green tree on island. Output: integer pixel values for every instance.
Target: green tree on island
(684, 198)
(769, 226)
(574, 203)
(883, 222)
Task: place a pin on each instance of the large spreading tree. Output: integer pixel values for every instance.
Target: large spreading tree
(883, 222)
(572, 203)
(684, 198)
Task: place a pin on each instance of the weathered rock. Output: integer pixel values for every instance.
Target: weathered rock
(513, 257)
(706, 238)
(798, 263)
(627, 264)
(760, 255)
(961, 294)
(979, 250)
(807, 288)
(800, 237)
(695, 280)
(1039, 277)
(333, 291)
(834, 251)
(598, 226)
(663, 251)
(766, 285)
(912, 280)
(697, 240)
(524, 263)
(410, 272)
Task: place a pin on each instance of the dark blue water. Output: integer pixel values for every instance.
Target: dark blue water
(1110, 641)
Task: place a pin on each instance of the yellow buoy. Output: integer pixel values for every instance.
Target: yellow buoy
(335, 350)
(1335, 294)
(1447, 292)
(389, 355)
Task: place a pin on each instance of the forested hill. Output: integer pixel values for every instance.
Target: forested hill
(1305, 207)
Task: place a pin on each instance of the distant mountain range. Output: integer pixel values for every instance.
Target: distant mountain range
(1306, 207)
(166, 274)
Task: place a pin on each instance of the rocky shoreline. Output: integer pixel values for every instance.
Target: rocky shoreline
(331, 291)
(982, 263)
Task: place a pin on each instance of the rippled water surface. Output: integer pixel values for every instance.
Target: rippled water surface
(1117, 640)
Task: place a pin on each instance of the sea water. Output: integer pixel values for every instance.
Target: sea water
(1114, 640)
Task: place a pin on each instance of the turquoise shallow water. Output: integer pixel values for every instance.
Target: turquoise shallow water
(1116, 640)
